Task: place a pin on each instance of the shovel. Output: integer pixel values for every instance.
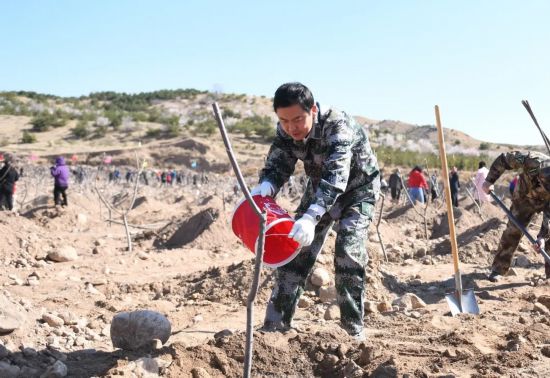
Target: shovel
(518, 225)
(459, 301)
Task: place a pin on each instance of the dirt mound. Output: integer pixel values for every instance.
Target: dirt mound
(227, 285)
(187, 231)
(323, 353)
(208, 228)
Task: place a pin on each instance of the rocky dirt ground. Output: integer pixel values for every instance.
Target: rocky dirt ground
(66, 273)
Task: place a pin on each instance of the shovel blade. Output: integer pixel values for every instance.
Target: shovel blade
(465, 304)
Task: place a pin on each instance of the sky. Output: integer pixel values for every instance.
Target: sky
(380, 59)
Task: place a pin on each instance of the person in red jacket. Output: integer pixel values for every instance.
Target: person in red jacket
(417, 183)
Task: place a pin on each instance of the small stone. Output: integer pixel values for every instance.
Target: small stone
(223, 333)
(305, 302)
(342, 350)
(368, 354)
(143, 255)
(53, 320)
(91, 289)
(80, 341)
(427, 260)
(332, 312)
(63, 254)
(327, 294)
(82, 218)
(12, 315)
(449, 353)
(540, 308)
(420, 252)
(320, 277)
(199, 373)
(513, 346)
(512, 273)
(197, 318)
(545, 300)
(371, 307)
(384, 306)
(99, 242)
(331, 359)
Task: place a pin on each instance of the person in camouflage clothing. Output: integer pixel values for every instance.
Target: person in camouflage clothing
(531, 196)
(343, 187)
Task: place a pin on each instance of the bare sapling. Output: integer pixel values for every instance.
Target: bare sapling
(259, 245)
(116, 205)
(378, 227)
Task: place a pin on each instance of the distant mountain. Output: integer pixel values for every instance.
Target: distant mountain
(424, 138)
(46, 124)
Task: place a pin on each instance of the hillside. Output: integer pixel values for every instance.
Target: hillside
(37, 126)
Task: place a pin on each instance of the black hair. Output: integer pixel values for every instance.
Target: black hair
(290, 94)
(417, 168)
(481, 164)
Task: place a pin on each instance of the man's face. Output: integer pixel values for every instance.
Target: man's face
(295, 121)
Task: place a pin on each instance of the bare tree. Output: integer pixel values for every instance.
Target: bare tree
(117, 202)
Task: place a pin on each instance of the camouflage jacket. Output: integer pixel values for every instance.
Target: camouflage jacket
(337, 158)
(528, 190)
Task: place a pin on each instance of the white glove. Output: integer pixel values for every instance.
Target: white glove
(487, 187)
(264, 189)
(303, 230)
(539, 245)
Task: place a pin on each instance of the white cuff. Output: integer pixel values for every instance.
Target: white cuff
(316, 212)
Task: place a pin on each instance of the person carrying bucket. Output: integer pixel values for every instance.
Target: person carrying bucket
(531, 196)
(343, 186)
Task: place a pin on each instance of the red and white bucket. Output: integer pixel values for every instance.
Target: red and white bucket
(279, 249)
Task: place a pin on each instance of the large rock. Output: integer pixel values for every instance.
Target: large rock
(63, 254)
(137, 329)
(320, 277)
(12, 315)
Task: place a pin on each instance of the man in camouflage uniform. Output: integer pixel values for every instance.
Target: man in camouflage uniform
(343, 187)
(531, 196)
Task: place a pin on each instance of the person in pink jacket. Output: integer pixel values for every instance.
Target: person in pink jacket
(479, 179)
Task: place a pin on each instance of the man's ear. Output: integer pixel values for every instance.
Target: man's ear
(314, 110)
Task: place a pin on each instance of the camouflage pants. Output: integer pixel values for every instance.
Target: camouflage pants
(349, 260)
(511, 237)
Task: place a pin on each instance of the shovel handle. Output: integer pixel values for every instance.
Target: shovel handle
(447, 189)
(516, 223)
